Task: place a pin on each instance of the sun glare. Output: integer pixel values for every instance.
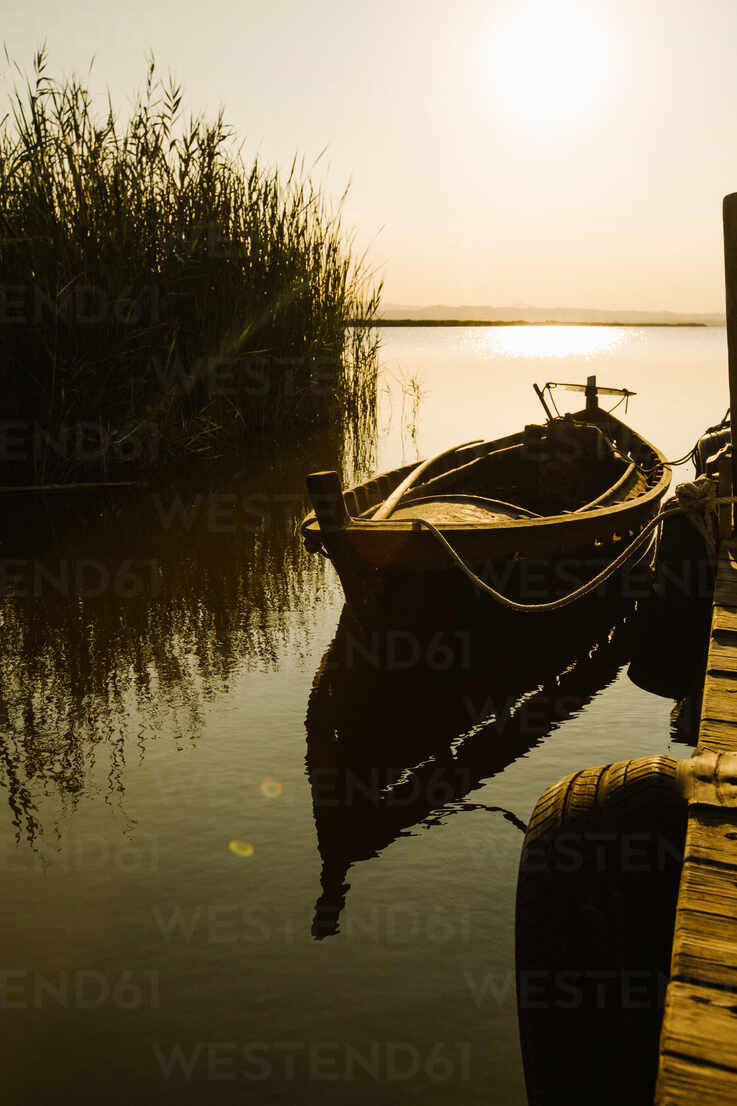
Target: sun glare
(547, 64)
(551, 341)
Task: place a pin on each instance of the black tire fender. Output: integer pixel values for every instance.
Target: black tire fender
(596, 896)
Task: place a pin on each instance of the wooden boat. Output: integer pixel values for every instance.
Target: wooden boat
(534, 515)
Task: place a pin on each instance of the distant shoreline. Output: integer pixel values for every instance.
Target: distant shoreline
(514, 322)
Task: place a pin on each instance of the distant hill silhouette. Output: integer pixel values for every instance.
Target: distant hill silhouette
(517, 313)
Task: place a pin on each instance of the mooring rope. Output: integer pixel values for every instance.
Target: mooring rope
(695, 499)
(692, 500)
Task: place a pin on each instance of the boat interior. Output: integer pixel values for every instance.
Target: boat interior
(554, 469)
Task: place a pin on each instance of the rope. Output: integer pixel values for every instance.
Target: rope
(625, 399)
(687, 500)
(691, 455)
(625, 457)
(555, 405)
(555, 604)
(697, 501)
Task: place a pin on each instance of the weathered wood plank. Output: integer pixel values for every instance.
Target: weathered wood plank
(684, 1082)
(712, 836)
(722, 652)
(725, 587)
(717, 735)
(708, 891)
(724, 619)
(700, 1024)
(703, 950)
(720, 698)
(705, 936)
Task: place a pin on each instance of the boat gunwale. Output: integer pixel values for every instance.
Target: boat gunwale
(606, 511)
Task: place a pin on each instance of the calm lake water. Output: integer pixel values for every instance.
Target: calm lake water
(241, 865)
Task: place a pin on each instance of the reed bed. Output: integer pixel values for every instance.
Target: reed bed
(160, 296)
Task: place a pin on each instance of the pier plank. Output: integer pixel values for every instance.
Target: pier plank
(720, 697)
(711, 837)
(708, 890)
(718, 735)
(724, 619)
(703, 950)
(684, 1081)
(722, 652)
(698, 1043)
(700, 1023)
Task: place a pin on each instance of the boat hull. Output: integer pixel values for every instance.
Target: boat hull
(396, 573)
(441, 597)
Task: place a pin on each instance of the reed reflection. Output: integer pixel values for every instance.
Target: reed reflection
(123, 612)
(392, 744)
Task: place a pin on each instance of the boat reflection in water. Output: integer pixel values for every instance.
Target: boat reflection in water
(400, 734)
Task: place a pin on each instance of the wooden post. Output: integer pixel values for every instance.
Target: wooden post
(541, 397)
(592, 402)
(724, 476)
(326, 495)
(729, 214)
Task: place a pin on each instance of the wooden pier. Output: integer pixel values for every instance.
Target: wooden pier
(698, 1042)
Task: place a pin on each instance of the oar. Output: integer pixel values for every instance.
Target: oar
(385, 509)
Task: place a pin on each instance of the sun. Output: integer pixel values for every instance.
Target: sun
(547, 63)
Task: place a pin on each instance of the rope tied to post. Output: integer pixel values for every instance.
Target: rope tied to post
(698, 500)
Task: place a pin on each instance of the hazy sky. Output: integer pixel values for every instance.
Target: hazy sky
(551, 154)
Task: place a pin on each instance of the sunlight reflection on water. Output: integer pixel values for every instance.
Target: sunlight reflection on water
(549, 341)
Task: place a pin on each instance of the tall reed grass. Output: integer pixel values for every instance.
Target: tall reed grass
(159, 295)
